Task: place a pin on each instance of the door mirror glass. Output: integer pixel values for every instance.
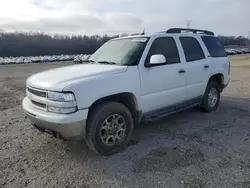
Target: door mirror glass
(157, 59)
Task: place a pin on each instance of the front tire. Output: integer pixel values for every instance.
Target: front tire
(109, 128)
(211, 98)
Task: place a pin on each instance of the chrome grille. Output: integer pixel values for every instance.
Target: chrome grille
(38, 104)
(33, 93)
(37, 92)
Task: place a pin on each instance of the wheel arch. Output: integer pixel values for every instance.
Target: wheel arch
(127, 99)
(219, 78)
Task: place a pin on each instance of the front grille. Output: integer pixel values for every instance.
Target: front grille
(38, 104)
(37, 92)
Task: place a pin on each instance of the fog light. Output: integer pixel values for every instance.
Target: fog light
(59, 110)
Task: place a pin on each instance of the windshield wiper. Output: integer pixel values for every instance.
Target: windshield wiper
(88, 60)
(107, 62)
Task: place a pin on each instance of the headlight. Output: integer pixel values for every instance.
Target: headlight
(62, 97)
(59, 110)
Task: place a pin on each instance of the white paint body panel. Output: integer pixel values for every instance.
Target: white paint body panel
(161, 86)
(196, 75)
(57, 79)
(87, 91)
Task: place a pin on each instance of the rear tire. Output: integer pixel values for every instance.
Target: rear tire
(211, 98)
(109, 128)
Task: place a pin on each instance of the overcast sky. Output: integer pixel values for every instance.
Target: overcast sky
(227, 17)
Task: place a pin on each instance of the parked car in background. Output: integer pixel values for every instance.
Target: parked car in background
(245, 50)
(35, 59)
(229, 51)
(79, 59)
(237, 51)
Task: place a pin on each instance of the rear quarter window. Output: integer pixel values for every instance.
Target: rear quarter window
(214, 46)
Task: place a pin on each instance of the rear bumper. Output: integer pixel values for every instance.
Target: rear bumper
(66, 125)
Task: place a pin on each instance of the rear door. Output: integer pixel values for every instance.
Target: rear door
(196, 66)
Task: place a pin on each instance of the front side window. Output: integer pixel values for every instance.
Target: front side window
(126, 51)
(192, 49)
(167, 47)
(214, 46)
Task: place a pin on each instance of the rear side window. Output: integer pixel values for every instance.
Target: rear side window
(167, 47)
(192, 49)
(214, 46)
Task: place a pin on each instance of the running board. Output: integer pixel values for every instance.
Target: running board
(160, 114)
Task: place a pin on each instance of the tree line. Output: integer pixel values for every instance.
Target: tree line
(36, 44)
(240, 41)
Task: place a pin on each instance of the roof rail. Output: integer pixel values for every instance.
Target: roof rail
(179, 30)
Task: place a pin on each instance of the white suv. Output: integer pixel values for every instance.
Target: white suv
(129, 79)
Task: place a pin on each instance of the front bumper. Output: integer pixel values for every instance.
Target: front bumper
(67, 125)
(227, 83)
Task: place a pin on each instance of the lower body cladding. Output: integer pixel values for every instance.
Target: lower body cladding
(59, 125)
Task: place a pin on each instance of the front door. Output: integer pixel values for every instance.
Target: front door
(162, 85)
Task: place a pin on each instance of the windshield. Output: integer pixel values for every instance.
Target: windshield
(121, 51)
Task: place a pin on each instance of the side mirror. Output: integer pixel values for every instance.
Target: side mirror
(157, 59)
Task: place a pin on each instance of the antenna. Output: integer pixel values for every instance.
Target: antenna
(188, 23)
(143, 33)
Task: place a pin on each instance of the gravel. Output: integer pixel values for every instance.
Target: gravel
(188, 149)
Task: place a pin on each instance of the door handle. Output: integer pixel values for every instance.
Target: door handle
(206, 66)
(182, 71)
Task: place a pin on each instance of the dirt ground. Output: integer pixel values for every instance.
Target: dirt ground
(188, 149)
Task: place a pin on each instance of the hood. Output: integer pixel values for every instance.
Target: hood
(57, 79)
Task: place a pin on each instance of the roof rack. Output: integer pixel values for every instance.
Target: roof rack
(180, 30)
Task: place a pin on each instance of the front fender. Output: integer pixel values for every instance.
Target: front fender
(90, 90)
